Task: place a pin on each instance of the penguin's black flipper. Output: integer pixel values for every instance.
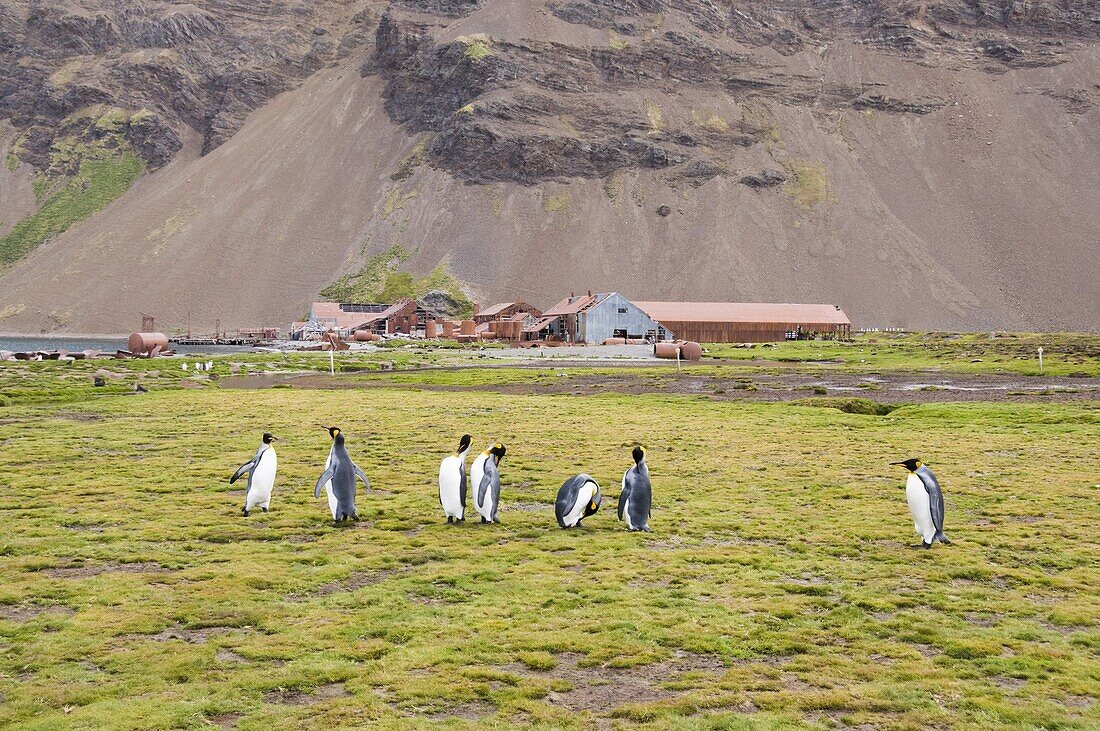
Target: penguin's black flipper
(624, 496)
(325, 477)
(241, 471)
(935, 496)
(359, 473)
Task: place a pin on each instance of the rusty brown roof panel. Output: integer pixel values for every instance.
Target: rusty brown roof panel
(743, 312)
(540, 325)
(494, 309)
(567, 307)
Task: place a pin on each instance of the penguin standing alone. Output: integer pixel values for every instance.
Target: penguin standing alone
(636, 499)
(578, 498)
(340, 475)
(261, 475)
(922, 491)
(485, 479)
(452, 482)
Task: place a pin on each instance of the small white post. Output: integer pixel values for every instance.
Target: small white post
(677, 358)
(1040, 360)
(332, 362)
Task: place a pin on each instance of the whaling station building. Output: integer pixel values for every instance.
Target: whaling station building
(589, 318)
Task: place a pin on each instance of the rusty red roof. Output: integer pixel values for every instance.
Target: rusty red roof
(540, 325)
(572, 305)
(494, 309)
(743, 312)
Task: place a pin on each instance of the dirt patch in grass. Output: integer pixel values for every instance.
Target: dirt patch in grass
(198, 636)
(472, 711)
(27, 612)
(601, 689)
(527, 507)
(226, 655)
(87, 570)
(357, 580)
(305, 698)
(225, 720)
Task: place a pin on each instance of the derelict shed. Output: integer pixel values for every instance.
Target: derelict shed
(594, 318)
(748, 322)
(505, 311)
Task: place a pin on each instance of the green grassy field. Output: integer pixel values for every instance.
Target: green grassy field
(777, 589)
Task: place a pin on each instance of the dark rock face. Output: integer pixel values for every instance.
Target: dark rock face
(529, 109)
(441, 303)
(765, 179)
(204, 65)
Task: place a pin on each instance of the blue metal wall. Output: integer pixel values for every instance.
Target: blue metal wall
(600, 321)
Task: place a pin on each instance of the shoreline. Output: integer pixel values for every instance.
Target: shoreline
(64, 336)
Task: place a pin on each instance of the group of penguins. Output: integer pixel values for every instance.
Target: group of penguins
(578, 497)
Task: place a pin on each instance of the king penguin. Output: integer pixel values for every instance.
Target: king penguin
(578, 498)
(452, 482)
(636, 498)
(925, 498)
(261, 475)
(339, 479)
(485, 480)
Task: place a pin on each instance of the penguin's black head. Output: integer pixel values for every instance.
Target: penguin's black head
(498, 451)
(912, 464)
(639, 455)
(269, 437)
(464, 443)
(332, 431)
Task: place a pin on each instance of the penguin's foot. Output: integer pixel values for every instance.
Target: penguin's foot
(355, 517)
(483, 521)
(920, 545)
(944, 541)
(244, 512)
(450, 520)
(264, 509)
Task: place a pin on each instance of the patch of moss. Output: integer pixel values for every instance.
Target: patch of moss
(382, 280)
(98, 182)
(12, 162)
(477, 49)
(758, 120)
(854, 405)
(653, 115)
(806, 183)
(558, 202)
(617, 41)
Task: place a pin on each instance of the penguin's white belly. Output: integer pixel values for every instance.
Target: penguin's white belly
(920, 507)
(332, 502)
(584, 496)
(450, 486)
(263, 480)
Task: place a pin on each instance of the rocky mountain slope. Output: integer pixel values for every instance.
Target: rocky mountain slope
(922, 164)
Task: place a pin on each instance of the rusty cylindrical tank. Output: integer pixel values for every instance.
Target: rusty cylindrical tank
(430, 331)
(614, 341)
(364, 336)
(448, 329)
(469, 327)
(691, 351)
(666, 350)
(141, 343)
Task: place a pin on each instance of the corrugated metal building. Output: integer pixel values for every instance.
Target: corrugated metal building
(747, 322)
(505, 311)
(593, 318)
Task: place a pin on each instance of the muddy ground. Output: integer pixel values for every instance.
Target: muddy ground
(890, 388)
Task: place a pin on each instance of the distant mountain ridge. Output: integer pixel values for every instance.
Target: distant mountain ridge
(920, 164)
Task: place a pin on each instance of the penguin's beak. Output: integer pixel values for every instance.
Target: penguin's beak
(898, 463)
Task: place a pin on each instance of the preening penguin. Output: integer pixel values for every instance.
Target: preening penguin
(578, 498)
(636, 499)
(261, 475)
(925, 498)
(452, 482)
(339, 478)
(485, 480)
